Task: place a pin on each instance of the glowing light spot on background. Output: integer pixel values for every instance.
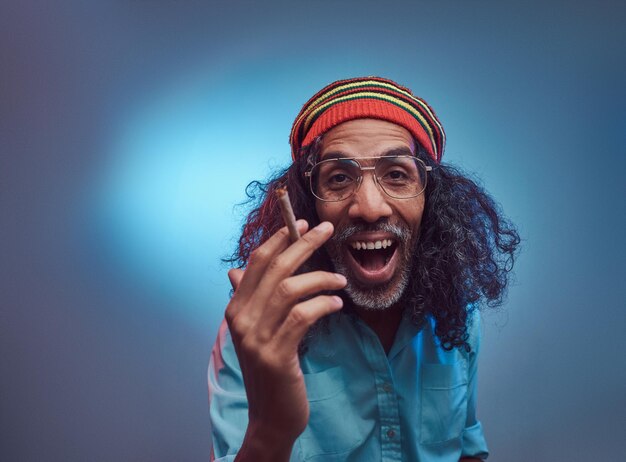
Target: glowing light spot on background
(179, 166)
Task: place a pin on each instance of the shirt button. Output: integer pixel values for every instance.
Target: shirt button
(387, 387)
(391, 433)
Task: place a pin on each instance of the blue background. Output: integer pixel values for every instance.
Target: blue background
(130, 129)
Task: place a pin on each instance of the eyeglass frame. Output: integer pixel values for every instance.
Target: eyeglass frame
(427, 168)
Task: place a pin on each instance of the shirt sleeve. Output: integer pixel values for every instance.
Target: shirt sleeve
(474, 443)
(228, 404)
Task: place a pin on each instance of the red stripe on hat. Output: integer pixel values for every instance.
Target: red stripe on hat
(368, 109)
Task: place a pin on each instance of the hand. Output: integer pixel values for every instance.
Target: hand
(267, 321)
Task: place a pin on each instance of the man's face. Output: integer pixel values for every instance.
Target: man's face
(376, 277)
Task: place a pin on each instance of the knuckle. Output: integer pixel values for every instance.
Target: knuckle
(310, 241)
(258, 255)
(229, 316)
(263, 336)
(277, 265)
(237, 325)
(314, 240)
(299, 316)
(284, 290)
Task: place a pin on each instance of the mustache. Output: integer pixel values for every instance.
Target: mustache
(399, 231)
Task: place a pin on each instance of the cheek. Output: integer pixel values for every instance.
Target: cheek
(328, 211)
(413, 215)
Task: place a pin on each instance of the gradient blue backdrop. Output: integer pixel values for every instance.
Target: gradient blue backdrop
(130, 129)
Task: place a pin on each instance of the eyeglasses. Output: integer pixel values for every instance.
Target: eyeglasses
(400, 177)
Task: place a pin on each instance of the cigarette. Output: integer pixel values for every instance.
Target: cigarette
(287, 212)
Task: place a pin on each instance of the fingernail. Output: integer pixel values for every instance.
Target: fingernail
(324, 226)
(337, 301)
(341, 278)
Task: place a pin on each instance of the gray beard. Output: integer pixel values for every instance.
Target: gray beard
(382, 296)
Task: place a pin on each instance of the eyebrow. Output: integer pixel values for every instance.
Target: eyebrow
(401, 151)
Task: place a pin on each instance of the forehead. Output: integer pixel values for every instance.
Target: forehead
(365, 138)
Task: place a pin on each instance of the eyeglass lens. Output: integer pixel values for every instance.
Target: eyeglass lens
(337, 179)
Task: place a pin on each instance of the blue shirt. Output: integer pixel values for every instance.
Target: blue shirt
(416, 403)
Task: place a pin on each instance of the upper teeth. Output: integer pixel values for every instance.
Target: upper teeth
(370, 245)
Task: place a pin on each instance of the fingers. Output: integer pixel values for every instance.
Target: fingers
(303, 316)
(304, 247)
(295, 288)
(287, 262)
(262, 257)
(265, 292)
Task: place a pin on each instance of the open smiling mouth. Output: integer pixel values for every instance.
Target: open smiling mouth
(373, 261)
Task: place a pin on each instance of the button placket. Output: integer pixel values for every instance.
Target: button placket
(390, 439)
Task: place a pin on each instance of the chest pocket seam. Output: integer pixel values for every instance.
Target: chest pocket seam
(443, 402)
(327, 433)
(324, 385)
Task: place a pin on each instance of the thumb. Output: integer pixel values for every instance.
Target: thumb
(235, 275)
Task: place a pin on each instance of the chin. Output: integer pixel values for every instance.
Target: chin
(377, 298)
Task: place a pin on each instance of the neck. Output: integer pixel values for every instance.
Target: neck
(383, 322)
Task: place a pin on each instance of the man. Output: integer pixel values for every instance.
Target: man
(359, 341)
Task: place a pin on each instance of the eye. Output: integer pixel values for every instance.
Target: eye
(396, 171)
(338, 180)
(395, 175)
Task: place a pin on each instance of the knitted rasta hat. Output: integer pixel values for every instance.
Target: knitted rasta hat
(367, 98)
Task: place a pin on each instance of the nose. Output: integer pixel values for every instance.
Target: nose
(369, 203)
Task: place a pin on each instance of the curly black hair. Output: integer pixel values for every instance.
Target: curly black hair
(462, 259)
